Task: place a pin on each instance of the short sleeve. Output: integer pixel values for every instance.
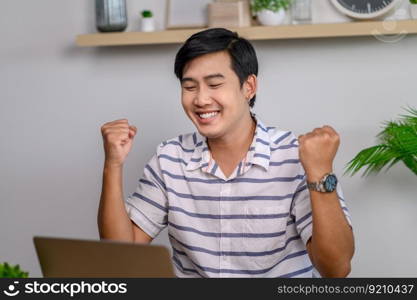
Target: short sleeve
(147, 207)
(302, 213)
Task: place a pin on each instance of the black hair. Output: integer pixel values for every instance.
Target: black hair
(242, 53)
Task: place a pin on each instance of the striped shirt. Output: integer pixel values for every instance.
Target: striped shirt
(255, 223)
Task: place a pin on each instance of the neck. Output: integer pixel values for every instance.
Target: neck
(236, 143)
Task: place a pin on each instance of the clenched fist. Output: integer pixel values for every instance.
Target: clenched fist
(317, 150)
(117, 139)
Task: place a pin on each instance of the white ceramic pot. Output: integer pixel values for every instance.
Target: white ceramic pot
(413, 11)
(269, 18)
(148, 24)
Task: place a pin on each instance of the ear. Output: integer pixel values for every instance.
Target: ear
(250, 86)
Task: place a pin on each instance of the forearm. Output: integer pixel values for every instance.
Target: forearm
(113, 221)
(332, 244)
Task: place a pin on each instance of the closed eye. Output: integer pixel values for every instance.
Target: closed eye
(213, 86)
(189, 88)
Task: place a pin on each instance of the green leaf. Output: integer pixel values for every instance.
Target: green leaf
(147, 14)
(7, 271)
(398, 142)
(411, 163)
(274, 5)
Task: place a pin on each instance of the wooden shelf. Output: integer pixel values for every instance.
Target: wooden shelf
(358, 28)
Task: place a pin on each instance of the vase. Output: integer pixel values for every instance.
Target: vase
(270, 18)
(301, 11)
(111, 15)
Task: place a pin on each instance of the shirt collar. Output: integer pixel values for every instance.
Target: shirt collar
(259, 152)
(201, 154)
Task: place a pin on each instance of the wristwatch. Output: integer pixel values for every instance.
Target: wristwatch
(326, 185)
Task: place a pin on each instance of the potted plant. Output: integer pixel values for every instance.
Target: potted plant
(397, 142)
(7, 271)
(148, 23)
(413, 9)
(270, 12)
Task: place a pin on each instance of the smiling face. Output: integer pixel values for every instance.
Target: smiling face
(212, 96)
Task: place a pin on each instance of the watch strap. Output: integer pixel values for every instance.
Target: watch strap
(315, 186)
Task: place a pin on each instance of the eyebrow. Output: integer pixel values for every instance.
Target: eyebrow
(211, 76)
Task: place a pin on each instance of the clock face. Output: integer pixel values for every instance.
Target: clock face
(364, 9)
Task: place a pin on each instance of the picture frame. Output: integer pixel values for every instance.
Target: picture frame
(186, 14)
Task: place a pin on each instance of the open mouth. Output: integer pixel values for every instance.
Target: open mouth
(206, 117)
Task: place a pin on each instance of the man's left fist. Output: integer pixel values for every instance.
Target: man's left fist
(317, 150)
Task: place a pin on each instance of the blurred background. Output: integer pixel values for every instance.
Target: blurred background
(55, 96)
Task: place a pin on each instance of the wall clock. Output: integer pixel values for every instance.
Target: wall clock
(365, 9)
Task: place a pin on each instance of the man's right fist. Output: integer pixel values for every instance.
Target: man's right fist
(117, 139)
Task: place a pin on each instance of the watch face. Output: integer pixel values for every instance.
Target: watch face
(364, 9)
(330, 183)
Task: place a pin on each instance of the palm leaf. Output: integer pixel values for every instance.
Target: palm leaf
(411, 163)
(373, 158)
(412, 118)
(397, 142)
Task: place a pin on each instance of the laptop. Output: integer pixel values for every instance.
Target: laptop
(62, 257)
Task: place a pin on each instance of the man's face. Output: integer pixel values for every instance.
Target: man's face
(212, 96)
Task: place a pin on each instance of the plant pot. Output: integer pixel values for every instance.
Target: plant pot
(413, 11)
(148, 24)
(269, 18)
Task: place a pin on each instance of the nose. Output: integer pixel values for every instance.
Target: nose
(202, 98)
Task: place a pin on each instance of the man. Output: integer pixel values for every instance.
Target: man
(240, 199)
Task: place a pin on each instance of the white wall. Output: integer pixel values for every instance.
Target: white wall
(54, 97)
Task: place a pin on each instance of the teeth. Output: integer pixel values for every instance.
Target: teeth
(208, 115)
